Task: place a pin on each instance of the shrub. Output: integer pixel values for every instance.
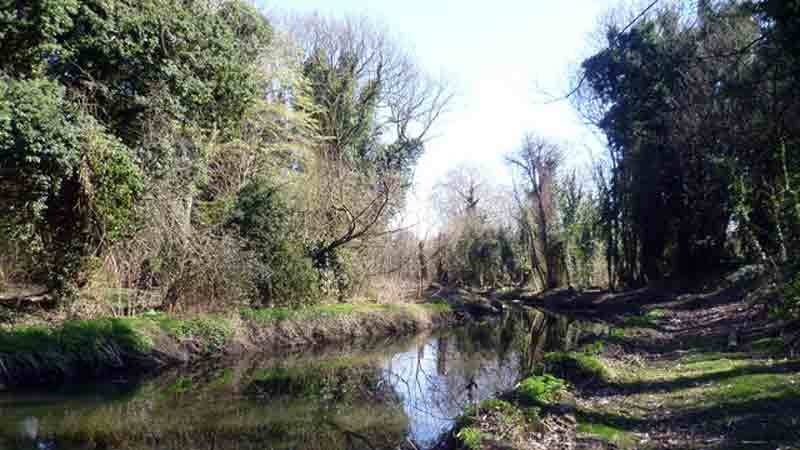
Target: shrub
(72, 185)
(264, 220)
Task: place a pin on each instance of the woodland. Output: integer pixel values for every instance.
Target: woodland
(184, 179)
(200, 156)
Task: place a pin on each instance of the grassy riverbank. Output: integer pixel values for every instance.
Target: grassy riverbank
(686, 370)
(90, 348)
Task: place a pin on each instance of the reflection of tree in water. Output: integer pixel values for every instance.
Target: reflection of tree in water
(357, 400)
(444, 375)
(336, 404)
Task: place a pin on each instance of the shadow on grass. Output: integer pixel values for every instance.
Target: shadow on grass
(717, 376)
(768, 423)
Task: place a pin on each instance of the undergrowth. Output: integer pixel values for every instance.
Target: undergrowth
(541, 389)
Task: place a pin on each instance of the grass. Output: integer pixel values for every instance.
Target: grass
(745, 397)
(273, 315)
(769, 346)
(541, 389)
(647, 320)
(77, 336)
(37, 354)
(478, 423)
(211, 332)
(30, 355)
(503, 407)
(510, 419)
(576, 367)
(608, 433)
(471, 437)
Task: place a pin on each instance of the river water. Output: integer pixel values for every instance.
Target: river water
(390, 394)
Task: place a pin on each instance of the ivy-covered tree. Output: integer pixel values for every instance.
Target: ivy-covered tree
(98, 96)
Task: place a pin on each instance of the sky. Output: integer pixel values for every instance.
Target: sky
(504, 60)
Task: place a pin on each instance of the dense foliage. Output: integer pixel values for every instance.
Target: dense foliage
(186, 151)
(183, 153)
(701, 122)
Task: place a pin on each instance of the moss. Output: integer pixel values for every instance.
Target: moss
(769, 346)
(576, 367)
(608, 433)
(440, 307)
(181, 386)
(647, 320)
(225, 378)
(540, 389)
(594, 348)
(472, 438)
(755, 387)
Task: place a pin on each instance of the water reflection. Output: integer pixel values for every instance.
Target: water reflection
(385, 395)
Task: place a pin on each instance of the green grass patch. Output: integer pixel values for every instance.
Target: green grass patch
(224, 378)
(273, 315)
(211, 332)
(706, 365)
(576, 367)
(471, 437)
(541, 389)
(289, 381)
(33, 354)
(438, 307)
(181, 386)
(503, 412)
(78, 336)
(594, 348)
(755, 387)
(769, 346)
(503, 417)
(467, 418)
(42, 354)
(647, 320)
(608, 433)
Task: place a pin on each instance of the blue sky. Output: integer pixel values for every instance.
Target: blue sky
(499, 57)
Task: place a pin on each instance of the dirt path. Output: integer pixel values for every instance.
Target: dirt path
(691, 371)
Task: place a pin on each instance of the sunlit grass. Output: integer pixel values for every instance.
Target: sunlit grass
(271, 315)
(608, 433)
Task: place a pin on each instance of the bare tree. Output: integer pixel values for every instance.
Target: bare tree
(407, 101)
(376, 111)
(537, 161)
(460, 193)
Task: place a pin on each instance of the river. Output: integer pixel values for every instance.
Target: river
(385, 394)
